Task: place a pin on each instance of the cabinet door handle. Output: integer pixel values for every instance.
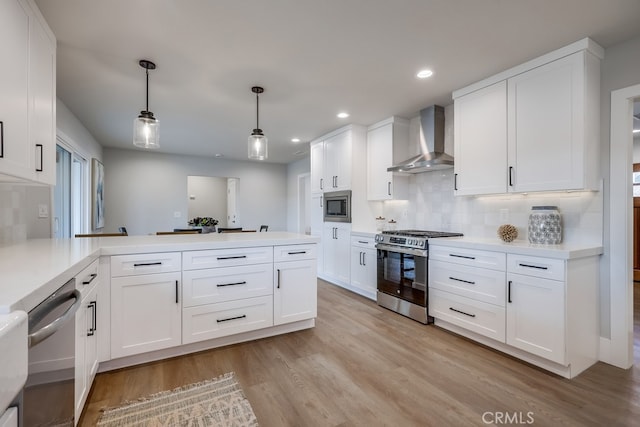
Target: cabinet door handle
(231, 318)
(455, 182)
(41, 168)
(278, 286)
(231, 257)
(297, 253)
(462, 280)
(321, 201)
(177, 292)
(364, 260)
(462, 312)
(321, 184)
(509, 291)
(462, 256)
(222, 285)
(389, 188)
(510, 176)
(1, 139)
(147, 264)
(335, 181)
(360, 260)
(539, 267)
(93, 276)
(92, 330)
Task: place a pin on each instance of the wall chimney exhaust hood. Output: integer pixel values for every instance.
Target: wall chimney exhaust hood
(433, 156)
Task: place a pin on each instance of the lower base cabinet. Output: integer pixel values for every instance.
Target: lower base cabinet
(146, 313)
(364, 266)
(295, 294)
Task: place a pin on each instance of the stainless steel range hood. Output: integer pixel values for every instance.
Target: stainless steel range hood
(433, 156)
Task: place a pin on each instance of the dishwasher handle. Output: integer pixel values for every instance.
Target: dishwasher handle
(42, 311)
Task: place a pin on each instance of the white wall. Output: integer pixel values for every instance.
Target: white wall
(294, 170)
(207, 198)
(144, 189)
(620, 69)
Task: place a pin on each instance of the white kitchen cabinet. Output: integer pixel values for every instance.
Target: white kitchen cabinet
(336, 245)
(27, 84)
(42, 102)
(316, 154)
(387, 144)
(537, 308)
(364, 266)
(337, 161)
(295, 294)
(480, 141)
(145, 313)
(15, 152)
(548, 109)
(536, 316)
(86, 342)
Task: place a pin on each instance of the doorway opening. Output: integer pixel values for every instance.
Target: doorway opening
(304, 204)
(70, 195)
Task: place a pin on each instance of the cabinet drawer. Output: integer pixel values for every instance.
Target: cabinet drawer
(476, 316)
(194, 260)
(294, 252)
(132, 265)
(363, 242)
(547, 268)
(476, 283)
(87, 278)
(217, 285)
(470, 257)
(218, 320)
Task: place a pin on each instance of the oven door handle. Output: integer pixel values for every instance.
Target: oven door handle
(41, 312)
(401, 250)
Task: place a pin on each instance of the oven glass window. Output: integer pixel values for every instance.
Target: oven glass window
(336, 207)
(403, 276)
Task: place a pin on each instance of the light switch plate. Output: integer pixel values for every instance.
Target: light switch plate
(43, 211)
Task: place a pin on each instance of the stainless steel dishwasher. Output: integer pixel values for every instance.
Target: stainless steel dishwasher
(49, 392)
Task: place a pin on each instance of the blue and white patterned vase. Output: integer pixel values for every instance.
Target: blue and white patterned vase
(545, 225)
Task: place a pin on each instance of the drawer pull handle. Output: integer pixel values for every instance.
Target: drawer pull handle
(462, 280)
(462, 312)
(231, 318)
(297, 253)
(147, 264)
(93, 276)
(231, 257)
(539, 267)
(222, 285)
(363, 242)
(462, 256)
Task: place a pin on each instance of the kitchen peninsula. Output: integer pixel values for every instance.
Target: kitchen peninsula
(147, 298)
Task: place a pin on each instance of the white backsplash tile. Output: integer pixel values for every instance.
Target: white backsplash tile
(13, 225)
(433, 206)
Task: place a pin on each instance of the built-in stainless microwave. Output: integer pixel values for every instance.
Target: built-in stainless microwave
(337, 206)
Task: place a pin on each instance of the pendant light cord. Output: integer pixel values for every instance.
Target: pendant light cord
(147, 70)
(257, 112)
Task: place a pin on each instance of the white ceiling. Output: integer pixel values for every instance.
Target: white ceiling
(313, 57)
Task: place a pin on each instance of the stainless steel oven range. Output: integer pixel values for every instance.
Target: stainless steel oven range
(402, 272)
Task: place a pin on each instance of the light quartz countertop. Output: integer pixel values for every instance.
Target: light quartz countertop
(34, 269)
(520, 247)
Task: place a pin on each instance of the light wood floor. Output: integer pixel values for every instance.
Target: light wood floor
(365, 366)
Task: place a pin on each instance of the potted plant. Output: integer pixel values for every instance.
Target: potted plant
(207, 223)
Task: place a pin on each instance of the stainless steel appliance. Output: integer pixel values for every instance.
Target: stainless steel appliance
(337, 206)
(49, 391)
(402, 276)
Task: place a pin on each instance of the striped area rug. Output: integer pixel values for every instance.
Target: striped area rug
(216, 402)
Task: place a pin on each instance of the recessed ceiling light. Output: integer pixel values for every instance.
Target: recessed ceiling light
(636, 130)
(423, 74)
(343, 115)
(219, 155)
(295, 139)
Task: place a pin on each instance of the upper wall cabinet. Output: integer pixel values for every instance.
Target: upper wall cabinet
(534, 127)
(27, 84)
(331, 158)
(387, 144)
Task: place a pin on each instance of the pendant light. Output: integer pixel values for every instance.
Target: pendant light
(257, 140)
(145, 126)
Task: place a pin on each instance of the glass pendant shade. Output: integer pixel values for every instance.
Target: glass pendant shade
(257, 145)
(146, 131)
